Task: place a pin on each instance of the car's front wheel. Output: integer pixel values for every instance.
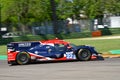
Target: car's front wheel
(23, 58)
(84, 55)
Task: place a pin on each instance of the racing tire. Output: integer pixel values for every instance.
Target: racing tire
(23, 58)
(84, 55)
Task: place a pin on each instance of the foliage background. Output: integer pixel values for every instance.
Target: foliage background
(23, 13)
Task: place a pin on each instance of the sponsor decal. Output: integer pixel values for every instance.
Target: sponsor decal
(24, 44)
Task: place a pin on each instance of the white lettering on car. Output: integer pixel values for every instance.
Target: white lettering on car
(24, 44)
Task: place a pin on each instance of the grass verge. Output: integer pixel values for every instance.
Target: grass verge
(3, 50)
(100, 45)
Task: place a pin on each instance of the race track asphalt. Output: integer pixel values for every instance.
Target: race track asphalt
(109, 69)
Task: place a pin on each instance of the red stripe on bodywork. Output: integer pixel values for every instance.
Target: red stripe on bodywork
(12, 55)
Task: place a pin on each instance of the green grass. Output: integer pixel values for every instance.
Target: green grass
(3, 50)
(100, 45)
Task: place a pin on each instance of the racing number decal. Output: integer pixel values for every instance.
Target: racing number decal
(70, 55)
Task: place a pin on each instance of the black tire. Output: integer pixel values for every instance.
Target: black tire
(84, 55)
(23, 58)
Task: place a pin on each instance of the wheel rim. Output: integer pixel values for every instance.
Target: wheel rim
(23, 58)
(84, 55)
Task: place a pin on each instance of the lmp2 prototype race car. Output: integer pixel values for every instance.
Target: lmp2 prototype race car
(48, 50)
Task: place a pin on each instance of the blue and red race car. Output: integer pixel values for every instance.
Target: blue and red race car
(48, 50)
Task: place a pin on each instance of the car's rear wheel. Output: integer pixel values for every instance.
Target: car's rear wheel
(23, 58)
(84, 55)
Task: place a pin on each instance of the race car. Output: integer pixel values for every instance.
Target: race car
(48, 50)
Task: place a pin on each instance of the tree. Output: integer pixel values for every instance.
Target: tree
(64, 9)
(25, 12)
(54, 16)
(112, 6)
